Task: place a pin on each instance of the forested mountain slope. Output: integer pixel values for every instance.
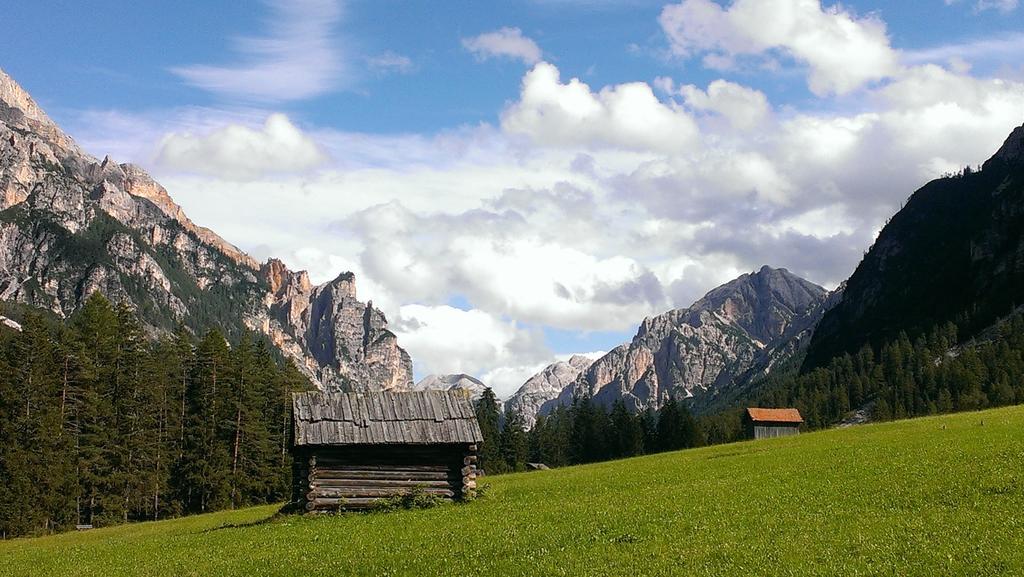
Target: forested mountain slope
(71, 225)
(953, 253)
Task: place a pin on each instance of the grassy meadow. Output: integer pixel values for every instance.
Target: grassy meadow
(932, 496)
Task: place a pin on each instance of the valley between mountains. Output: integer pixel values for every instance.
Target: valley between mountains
(71, 225)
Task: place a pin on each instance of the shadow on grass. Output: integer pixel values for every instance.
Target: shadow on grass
(285, 511)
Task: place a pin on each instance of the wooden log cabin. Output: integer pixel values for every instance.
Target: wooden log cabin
(767, 423)
(351, 449)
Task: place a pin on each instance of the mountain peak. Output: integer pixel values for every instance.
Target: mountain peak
(14, 96)
(1012, 150)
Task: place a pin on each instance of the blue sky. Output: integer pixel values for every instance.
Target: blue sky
(517, 181)
(108, 54)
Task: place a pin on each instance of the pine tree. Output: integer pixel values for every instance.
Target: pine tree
(135, 417)
(36, 452)
(587, 437)
(252, 449)
(513, 442)
(95, 326)
(205, 463)
(487, 416)
(625, 436)
(649, 430)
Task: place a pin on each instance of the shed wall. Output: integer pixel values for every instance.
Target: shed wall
(355, 477)
(767, 431)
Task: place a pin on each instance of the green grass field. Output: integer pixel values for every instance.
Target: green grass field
(933, 496)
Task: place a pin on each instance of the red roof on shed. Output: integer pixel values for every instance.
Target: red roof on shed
(775, 415)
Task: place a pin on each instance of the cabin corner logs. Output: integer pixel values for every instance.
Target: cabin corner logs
(352, 449)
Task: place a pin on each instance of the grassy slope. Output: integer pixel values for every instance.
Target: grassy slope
(933, 496)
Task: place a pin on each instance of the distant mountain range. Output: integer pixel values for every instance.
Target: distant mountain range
(71, 225)
(732, 334)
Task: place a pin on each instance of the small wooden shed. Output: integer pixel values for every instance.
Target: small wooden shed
(767, 423)
(351, 449)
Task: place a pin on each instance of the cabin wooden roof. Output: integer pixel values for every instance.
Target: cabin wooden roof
(774, 415)
(384, 418)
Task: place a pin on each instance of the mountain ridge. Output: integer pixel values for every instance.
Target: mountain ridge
(722, 340)
(953, 253)
(71, 225)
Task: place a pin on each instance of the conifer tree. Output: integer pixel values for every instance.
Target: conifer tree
(513, 442)
(487, 416)
(670, 427)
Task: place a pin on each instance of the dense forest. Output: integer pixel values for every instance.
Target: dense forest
(100, 424)
(585, 432)
(934, 373)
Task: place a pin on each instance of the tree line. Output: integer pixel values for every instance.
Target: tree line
(934, 373)
(584, 432)
(100, 424)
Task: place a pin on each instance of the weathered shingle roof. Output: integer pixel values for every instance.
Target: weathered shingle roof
(775, 415)
(417, 418)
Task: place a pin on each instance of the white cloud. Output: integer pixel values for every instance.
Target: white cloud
(504, 42)
(744, 108)
(1004, 6)
(629, 116)
(237, 151)
(390, 62)
(1003, 48)
(587, 208)
(842, 51)
(297, 59)
(444, 339)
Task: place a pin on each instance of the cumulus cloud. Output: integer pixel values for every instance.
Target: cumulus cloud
(843, 52)
(241, 152)
(494, 260)
(589, 208)
(551, 113)
(744, 108)
(444, 339)
(295, 60)
(504, 42)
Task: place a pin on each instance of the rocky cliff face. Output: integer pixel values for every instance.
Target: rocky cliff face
(706, 348)
(953, 253)
(71, 225)
(545, 386)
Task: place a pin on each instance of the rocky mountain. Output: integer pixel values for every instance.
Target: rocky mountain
(455, 382)
(734, 331)
(545, 386)
(71, 225)
(953, 253)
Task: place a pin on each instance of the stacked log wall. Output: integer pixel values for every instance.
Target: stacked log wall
(335, 478)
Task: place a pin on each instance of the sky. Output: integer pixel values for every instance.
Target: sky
(515, 182)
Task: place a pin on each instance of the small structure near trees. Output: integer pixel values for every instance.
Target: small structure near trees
(352, 449)
(766, 423)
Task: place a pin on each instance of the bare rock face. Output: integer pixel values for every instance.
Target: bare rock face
(472, 386)
(344, 344)
(545, 386)
(71, 225)
(706, 348)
